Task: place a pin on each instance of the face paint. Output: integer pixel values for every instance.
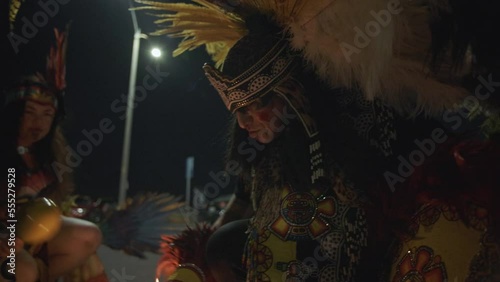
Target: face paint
(260, 119)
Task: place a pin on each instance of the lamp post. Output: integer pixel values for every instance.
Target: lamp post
(130, 108)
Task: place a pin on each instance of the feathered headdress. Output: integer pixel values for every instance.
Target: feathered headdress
(49, 87)
(382, 47)
(55, 72)
(203, 24)
(14, 6)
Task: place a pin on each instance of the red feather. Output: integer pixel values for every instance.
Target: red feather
(187, 247)
(56, 62)
(459, 174)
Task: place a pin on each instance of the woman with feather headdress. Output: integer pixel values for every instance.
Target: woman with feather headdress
(34, 150)
(329, 98)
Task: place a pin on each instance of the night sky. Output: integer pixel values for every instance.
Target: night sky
(182, 116)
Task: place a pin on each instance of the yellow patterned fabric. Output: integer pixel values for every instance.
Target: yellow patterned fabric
(444, 248)
(272, 252)
(187, 272)
(318, 236)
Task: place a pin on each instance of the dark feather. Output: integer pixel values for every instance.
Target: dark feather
(138, 227)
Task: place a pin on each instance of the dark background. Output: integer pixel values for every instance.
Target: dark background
(181, 117)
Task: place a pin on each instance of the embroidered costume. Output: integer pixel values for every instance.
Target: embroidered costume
(355, 78)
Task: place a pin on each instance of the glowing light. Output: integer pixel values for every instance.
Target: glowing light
(155, 52)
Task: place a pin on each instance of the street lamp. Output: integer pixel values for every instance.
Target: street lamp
(130, 107)
(156, 52)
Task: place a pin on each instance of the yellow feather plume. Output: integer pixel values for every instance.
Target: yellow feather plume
(380, 46)
(203, 24)
(390, 64)
(14, 6)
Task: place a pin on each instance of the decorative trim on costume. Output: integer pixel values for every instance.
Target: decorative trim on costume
(477, 216)
(485, 265)
(292, 92)
(303, 215)
(297, 270)
(258, 80)
(421, 265)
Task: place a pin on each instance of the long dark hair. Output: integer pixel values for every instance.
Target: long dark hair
(343, 148)
(47, 151)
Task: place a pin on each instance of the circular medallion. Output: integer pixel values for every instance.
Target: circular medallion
(298, 209)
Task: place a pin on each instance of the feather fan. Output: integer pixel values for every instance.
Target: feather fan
(138, 227)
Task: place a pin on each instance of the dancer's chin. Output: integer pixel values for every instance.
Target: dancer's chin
(263, 136)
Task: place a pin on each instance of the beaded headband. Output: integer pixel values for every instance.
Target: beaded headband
(32, 91)
(272, 69)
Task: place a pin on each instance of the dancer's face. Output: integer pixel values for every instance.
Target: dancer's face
(261, 119)
(35, 122)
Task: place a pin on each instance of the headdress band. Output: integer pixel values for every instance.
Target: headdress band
(32, 91)
(47, 88)
(258, 80)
